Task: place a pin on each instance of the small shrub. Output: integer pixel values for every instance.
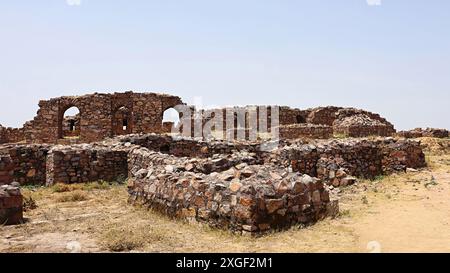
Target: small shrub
(118, 241)
(122, 179)
(340, 136)
(379, 178)
(128, 238)
(344, 213)
(365, 200)
(100, 185)
(61, 188)
(432, 182)
(29, 204)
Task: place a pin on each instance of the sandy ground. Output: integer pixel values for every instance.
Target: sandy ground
(399, 213)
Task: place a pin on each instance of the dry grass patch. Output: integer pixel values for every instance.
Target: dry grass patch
(120, 238)
(75, 196)
(99, 185)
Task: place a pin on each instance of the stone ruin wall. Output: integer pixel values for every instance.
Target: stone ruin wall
(351, 122)
(11, 135)
(363, 130)
(244, 123)
(360, 158)
(46, 164)
(234, 186)
(187, 147)
(107, 115)
(311, 131)
(23, 163)
(428, 132)
(241, 197)
(101, 116)
(256, 195)
(81, 164)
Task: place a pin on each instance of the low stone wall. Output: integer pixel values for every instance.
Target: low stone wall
(23, 163)
(188, 147)
(296, 131)
(217, 163)
(11, 135)
(11, 205)
(244, 199)
(44, 164)
(364, 131)
(83, 163)
(361, 158)
(400, 155)
(428, 132)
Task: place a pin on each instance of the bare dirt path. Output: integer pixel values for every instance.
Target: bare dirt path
(416, 219)
(400, 213)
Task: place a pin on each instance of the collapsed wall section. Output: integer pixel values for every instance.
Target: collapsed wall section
(245, 198)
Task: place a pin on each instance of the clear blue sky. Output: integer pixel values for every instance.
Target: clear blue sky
(393, 58)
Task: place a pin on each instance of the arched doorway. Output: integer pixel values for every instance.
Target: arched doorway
(122, 124)
(171, 119)
(71, 123)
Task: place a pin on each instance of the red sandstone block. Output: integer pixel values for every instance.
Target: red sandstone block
(11, 202)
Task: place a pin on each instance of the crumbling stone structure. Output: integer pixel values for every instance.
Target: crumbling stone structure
(11, 135)
(245, 198)
(23, 163)
(237, 186)
(101, 116)
(245, 186)
(322, 122)
(361, 158)
(428, 132)
(312, 131)
(11, 205)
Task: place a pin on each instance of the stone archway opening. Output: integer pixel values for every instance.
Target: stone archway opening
(71, 123)
(122, 123)
(171, 119)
